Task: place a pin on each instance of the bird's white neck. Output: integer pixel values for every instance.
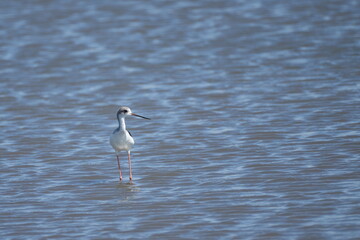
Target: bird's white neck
(122, 125)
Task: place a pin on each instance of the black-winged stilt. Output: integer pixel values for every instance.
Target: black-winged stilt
(121, 139)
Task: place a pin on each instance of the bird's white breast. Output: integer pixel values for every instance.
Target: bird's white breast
(121, 140)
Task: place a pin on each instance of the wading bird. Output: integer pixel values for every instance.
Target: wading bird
(121, 139)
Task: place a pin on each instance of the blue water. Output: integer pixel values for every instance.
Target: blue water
(255, 119)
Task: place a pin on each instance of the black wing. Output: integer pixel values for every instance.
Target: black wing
(116, 130)
(129, 133)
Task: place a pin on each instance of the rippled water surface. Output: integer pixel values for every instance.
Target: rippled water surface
(255, 128)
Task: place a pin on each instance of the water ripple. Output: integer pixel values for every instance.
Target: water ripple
(254, 131)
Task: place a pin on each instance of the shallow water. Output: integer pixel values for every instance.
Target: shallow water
(254, 131)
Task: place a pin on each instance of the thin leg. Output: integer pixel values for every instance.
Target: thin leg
(118, 160)
(129, 161)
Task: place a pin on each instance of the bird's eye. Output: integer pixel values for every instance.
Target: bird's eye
(125, 111)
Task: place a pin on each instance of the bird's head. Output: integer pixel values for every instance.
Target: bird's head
(125, 111)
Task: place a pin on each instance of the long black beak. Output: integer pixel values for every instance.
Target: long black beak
(140, 116)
